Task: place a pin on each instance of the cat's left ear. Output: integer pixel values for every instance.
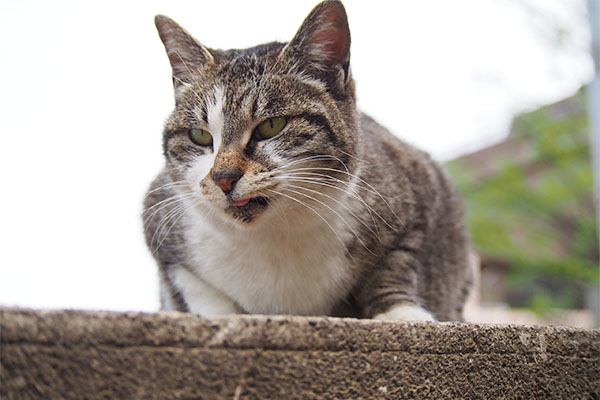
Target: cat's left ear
(322, 43)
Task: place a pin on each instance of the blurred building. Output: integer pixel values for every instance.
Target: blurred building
(531, 210)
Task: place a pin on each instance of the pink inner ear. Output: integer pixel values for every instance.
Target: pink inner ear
(334, 37)
(178, 63)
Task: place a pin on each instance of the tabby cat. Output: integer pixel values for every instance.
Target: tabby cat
(280, 197)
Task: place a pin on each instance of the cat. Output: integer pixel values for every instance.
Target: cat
(280, 197)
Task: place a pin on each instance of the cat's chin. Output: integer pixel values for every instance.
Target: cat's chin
(249, 211)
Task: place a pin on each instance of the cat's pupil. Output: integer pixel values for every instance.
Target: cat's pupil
(200, 137)
(271, 127)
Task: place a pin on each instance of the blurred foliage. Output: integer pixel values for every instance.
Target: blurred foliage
(530, 202)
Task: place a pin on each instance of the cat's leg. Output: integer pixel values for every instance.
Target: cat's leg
(167, 297)
(170, 298)
(200, 297)
(391, 292)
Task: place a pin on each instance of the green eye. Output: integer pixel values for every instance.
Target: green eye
(270, 127)
(201, 137)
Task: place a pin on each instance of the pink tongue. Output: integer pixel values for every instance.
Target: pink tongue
(239, 203)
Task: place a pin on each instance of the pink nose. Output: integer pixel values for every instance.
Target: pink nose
(226, 179)
(225, 183)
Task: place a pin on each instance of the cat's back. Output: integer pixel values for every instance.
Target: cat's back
(419, 196)
(398, 167)
(379, 145)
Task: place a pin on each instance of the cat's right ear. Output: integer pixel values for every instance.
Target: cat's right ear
(185, 53)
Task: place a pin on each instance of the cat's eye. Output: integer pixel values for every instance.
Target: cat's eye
(270, 127)
(201, 137)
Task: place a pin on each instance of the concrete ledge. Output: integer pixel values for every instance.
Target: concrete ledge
(82, 354)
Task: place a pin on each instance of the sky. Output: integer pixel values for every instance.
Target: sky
(85, 88)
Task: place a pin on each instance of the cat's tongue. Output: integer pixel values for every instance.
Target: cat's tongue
(239, 203)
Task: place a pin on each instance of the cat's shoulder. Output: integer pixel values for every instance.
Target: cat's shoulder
(387, 147)
(161, 187)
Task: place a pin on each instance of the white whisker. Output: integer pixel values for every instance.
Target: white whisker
(329, 181)
(332, 210)
(158, 237)
(316, 213)
(166, 186)
(170, 218)
(319, 157)
(165, 203)
(360, 160)
(338, 202)
(347, 191)
(362, 181)
(281, 210)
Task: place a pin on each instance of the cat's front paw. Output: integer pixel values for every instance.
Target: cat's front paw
(405, 312)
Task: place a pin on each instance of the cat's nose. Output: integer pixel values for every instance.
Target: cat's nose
(226, 179)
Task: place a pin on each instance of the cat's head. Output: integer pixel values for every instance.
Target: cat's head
(270, 126)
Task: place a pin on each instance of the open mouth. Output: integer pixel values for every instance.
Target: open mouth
(261, 201)
(247, 210)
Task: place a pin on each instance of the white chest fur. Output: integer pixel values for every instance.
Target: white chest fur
(271, 270)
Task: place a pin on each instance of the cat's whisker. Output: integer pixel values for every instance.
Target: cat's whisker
(347, 190)
(316, 177)
(287, 170)
(297, 160)
(316, 213)
(165, 203)
(177, 198)
(170, 185)
(362, 184)
(341, 217)
(158, 237)
(165, 219)
(321, 177)
(310, 171)
(172, 217)
(150, 212)
(341, 204)
(281, 210)
(319, 157)
(362, 181)
(151, 216)
(360, 160)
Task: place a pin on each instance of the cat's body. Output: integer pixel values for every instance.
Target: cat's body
(280, 197)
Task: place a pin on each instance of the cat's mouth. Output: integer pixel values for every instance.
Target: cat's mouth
(260, 200)
(246, 210)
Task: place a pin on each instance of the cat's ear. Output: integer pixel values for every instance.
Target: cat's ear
(185, 53)
(323, 40)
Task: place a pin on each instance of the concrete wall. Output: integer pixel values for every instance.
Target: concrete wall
(74, 354)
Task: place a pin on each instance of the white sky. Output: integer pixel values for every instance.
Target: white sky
(85, 88)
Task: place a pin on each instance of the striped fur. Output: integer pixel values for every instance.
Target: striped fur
(331, 216)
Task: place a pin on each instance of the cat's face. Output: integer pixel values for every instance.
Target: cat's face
(267, 127)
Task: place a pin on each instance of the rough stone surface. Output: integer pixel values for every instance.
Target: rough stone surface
(83, 354)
